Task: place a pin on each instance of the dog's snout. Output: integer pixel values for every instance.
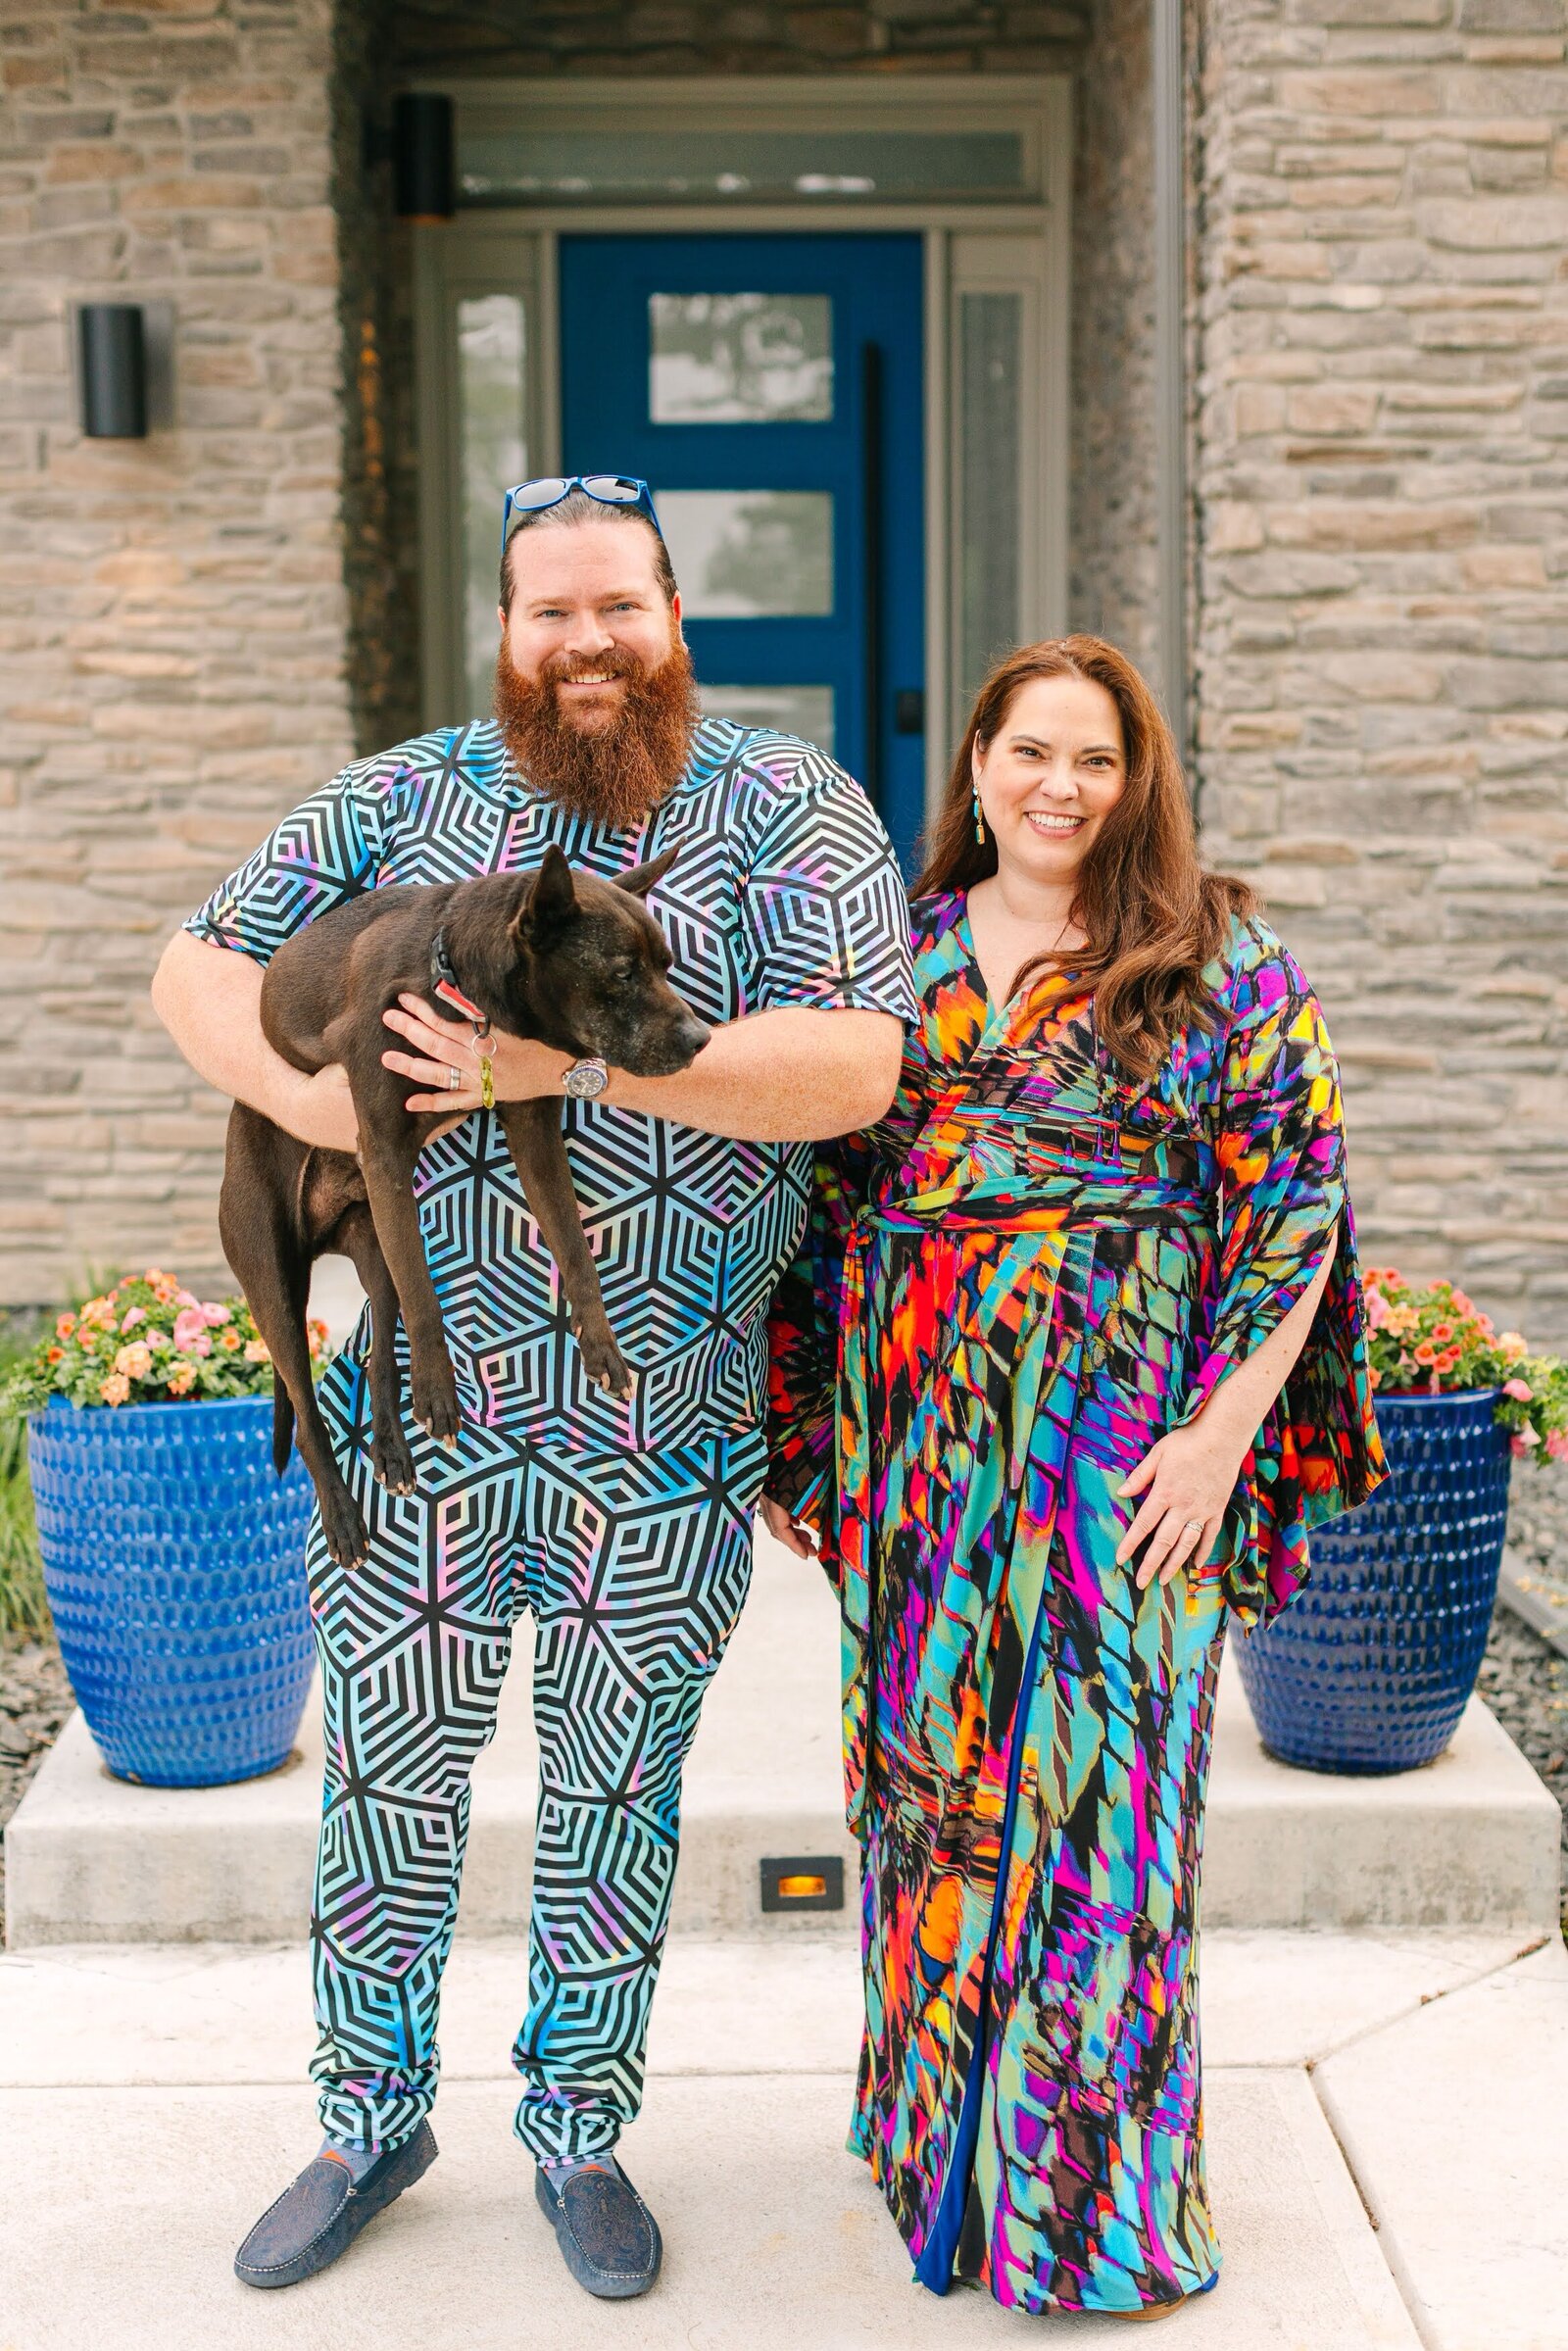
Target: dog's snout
(694, 1035)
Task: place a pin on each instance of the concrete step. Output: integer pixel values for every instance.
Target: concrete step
(1471, 1839)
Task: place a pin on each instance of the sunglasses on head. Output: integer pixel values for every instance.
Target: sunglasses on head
(611, 489)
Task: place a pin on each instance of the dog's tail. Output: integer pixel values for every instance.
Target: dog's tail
(282, 1425)
(296, 1278)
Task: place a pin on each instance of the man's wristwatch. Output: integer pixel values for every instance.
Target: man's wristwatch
(584, 1081)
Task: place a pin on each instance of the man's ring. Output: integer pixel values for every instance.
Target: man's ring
(454, 1078)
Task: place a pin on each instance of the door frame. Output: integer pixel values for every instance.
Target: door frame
(1020, 246)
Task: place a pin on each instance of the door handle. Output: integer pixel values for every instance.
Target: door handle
(871, 524)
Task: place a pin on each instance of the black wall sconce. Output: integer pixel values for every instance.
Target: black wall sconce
(112, 352)
(425, 179)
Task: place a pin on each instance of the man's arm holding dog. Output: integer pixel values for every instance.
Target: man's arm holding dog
(789, 1074)
(209, 1000)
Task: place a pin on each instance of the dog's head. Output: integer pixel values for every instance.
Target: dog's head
(594, 966)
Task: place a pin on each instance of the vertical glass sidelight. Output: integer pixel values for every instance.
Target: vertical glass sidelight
(989, 523)
(492, 353)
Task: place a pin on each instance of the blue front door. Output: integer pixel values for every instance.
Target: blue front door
(770, 389)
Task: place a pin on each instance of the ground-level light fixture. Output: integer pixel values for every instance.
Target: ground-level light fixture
(112, 350)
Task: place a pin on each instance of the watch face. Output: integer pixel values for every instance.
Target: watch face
(586, 1079)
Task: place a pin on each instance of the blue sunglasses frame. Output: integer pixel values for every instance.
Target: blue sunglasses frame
(609, 489)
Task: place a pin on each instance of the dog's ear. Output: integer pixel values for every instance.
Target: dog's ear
(553, 896)
(642, 878)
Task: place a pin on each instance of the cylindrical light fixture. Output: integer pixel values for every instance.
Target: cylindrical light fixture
(424, 185)
(113, 371)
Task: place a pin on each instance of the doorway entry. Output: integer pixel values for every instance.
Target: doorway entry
(770, 389)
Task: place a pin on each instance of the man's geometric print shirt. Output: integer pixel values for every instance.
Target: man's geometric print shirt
(785, 891)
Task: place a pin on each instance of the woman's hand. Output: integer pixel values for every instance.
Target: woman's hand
(441, 1049)
(1187, 1480)
(793, 1533)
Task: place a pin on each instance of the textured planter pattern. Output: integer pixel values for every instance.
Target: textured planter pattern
(1369, 1668)
(174, 1562)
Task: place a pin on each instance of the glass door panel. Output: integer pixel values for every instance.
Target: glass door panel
(769, 388)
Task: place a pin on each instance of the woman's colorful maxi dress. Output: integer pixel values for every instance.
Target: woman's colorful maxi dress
(1026, 1274)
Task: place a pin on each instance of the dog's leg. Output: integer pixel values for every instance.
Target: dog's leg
(539, 1153)
(389, 1447)
(272, 1266)
(388, 1162)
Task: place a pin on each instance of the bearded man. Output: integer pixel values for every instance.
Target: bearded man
(624, 1528)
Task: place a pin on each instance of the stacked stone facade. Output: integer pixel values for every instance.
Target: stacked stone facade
(1382, 618)
(172, 617)
(197, 629)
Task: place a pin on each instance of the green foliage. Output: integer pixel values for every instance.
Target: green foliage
(23, 1609)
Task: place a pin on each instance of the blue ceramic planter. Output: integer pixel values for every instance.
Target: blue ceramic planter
(1369, 1668)
(175, 1563)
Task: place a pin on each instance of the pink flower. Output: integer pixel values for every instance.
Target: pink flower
(1377, 1309)
(1520, 1390)
(191, 1331)
(1462, 1303)
(186, 1298)
(136, 1314)
(213, 1315)
(1519, 1443)
(1558, 1444)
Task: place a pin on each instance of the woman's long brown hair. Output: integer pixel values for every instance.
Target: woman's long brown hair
(1151, 916)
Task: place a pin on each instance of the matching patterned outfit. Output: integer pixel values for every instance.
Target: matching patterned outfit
(624, 1528)
(1012, 1287)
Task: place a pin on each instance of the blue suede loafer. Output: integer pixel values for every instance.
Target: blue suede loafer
(609, 2239)
(323, 2212)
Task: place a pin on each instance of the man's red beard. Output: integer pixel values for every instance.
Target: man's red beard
(616, 771)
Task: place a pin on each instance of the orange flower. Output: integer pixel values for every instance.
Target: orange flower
(1442, 1333)
(64, 1326)
(257, 1351)
(56, 1355)
(115, 1388)
(182, 1379)
(136, 1361)
(228, 1338)
(1426, 1352)
(1374, 1377)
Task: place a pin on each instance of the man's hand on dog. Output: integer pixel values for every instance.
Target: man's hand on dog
(521, 1070)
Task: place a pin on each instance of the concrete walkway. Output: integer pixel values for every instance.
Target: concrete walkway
(1386, 2100)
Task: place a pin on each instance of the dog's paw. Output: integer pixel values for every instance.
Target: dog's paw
(343, 1530)
(392, 1461)
(605, 1364)
(436, 1407)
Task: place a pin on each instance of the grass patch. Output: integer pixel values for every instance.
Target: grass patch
(24, 1607)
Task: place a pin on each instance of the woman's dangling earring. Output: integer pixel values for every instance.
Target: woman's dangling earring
(979, 818)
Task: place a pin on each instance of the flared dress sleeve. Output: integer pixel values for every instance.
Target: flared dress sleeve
(803, 1342)
(1279, 1131)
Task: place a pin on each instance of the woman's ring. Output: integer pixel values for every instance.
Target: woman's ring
(454, 1078)
(1193, 1526)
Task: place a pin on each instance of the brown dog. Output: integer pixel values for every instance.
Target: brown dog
(564, 958)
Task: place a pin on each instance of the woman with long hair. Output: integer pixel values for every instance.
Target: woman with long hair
(1072, 1358)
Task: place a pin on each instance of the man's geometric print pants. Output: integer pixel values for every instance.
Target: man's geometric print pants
(633, 1567)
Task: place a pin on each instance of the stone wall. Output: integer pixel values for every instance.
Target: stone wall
(1382, 623)
(172, 620)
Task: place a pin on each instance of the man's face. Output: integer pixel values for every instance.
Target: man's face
(580, 595)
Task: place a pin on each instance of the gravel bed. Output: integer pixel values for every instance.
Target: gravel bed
(35, 1701)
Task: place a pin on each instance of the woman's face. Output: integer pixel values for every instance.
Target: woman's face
(1052, 775)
